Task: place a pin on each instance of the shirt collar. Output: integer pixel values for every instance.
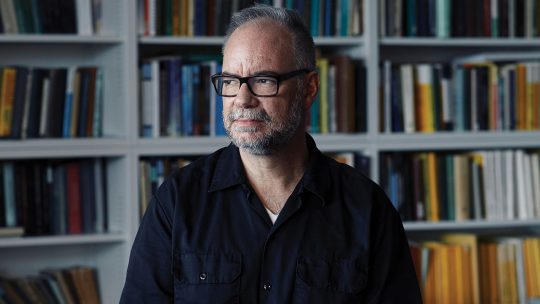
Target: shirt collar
(229, 171)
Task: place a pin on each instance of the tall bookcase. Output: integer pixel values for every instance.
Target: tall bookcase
(118, 50)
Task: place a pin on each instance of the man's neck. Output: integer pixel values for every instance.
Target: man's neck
(274, 177)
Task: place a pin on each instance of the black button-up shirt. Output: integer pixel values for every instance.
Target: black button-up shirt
(207, 238)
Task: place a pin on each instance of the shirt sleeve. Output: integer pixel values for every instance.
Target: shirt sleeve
(149, 276)
(392, 277)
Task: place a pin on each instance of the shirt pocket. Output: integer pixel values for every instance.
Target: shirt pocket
(207, 278)
(330, 281)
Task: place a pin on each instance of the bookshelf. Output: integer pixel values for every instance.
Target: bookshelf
(118, 49)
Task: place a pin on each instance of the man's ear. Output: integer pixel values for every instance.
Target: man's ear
(312, 88)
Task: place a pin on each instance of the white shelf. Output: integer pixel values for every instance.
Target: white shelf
(58, 38)
(461, 42)
(179, 145)
(218, 41)
(92, 239)
(61, 148)
(470, 225)
(458, 140)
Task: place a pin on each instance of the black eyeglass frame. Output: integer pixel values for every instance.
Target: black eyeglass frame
(279, 78)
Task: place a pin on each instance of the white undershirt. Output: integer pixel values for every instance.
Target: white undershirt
(273, 217)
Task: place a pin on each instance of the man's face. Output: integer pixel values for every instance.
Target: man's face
(260, 125)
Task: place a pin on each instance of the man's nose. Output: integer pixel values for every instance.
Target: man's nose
(244, 98)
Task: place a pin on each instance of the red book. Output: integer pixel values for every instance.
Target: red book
(73, 198)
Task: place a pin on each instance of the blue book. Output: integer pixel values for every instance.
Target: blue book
(220, 128)
(412, 26)
(196, 126)
(328, 13)
(186, 100)
(344, 26)
(458, 100)
(173, 94)
(315, 17)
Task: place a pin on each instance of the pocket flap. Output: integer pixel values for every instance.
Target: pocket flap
(341, 276)
(209, 268)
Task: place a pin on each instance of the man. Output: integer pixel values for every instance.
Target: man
(269, 219)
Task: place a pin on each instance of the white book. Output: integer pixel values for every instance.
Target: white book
(84, 17)
(520, 186)
(152, 18)
(154, 88)
(528, 185)
(442, 19)
(509, 184)
(476, 192)
(278, 3)
(498, 184)
(407, 96)
(356, 23)
(9, 17)
(382, 17)
(446, 95)
(535, 167)
(141, 26)
(517, 244)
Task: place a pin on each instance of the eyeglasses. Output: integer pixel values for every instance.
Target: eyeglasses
(259, 85)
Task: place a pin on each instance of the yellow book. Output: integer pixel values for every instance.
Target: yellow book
(446, 275)
(7, 97)
(528, 265)
(493, 95)
(458, 268)
(190, 17)
(470, 242)
(322, 63)
(535, 242)
(521, 104)
(433, 288)
(433, 186)
(506, 278)
(424, 98)
(183, 17)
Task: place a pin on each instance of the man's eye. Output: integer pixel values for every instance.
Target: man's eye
(228, 81)
(269, 81)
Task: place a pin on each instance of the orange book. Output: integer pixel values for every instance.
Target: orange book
(446, 275)
(424, 98)
(536, 97)
(433, 289)
(493, 273)
(529, 88)
(484, 272)
(176, 17)
(470, 243)
(7, 99)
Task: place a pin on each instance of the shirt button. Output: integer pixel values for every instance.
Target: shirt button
(267, 287)
(202, 276)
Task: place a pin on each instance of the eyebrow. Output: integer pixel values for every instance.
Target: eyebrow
(258, 73)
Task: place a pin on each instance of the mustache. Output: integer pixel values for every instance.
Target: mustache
(248, 114)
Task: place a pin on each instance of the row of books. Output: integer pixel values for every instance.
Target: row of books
(463, 268)
(77, 284)
(477, 96)
(51, 102)
(152, 173)
(54, 197)
(177, 98)
(154, 170)
(459, 18)
(211, 17)
(491, 185)
(340, 105)
(82, 17)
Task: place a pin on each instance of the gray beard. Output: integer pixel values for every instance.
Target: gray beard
(279, 135)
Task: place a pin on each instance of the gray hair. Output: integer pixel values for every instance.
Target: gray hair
(303, 45)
